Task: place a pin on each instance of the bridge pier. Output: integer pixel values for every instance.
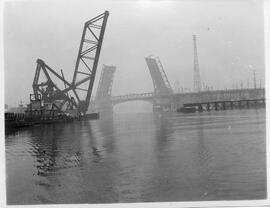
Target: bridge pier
(247, 104)
(200, 108)
(224, 105)
(216, 106)
(208, 106)
(255, 103)
(102, 107)
(239, 104)
(164, 107)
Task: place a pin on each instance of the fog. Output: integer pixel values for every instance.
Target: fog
(230, 41)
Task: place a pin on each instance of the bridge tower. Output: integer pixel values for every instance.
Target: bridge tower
(103, 95)
(162, 88)
(196, 75)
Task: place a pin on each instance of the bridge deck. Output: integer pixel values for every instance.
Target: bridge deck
(179, 99)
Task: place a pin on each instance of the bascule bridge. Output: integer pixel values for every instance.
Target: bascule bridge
(103, 99)
(161, 97)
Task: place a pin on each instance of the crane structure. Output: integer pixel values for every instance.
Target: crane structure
(77, 93)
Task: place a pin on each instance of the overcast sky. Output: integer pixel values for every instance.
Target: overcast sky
(230, 41)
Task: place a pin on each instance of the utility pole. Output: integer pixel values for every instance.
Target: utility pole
(196, 75)
(254, 78)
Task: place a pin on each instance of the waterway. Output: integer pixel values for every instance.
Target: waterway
(142, 157)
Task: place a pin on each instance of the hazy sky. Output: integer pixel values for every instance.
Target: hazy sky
(230, 41)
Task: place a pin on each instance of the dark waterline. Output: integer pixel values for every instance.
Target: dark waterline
(143, 157)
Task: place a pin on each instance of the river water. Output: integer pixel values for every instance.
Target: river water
(142, 157)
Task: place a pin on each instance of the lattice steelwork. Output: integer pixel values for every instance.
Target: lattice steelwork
(160, 81)
(87, 60)
(196, 75)
(85, 69)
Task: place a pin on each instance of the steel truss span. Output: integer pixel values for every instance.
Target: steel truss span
(76, 93)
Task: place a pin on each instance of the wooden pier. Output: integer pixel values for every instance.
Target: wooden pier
(227, 104)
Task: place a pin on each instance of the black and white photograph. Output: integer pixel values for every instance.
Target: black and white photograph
(142, 103)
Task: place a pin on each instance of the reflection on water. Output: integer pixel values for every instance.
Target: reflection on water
(140, 158)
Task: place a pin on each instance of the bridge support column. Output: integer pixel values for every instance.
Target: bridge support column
(200, 108)
(255, 103)
(104, 106)
(216, 106)
(239, 105)
(173, 108)
(231, 104)
(247, 104)
(224, 105)
(208, 106)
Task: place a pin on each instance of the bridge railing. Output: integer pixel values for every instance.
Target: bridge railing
(133, 96)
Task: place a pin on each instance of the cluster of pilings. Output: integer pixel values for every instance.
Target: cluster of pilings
(227, 105)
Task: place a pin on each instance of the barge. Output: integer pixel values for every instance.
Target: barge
(38, 113)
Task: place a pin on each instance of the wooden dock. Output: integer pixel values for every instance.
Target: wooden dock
(227, 104)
